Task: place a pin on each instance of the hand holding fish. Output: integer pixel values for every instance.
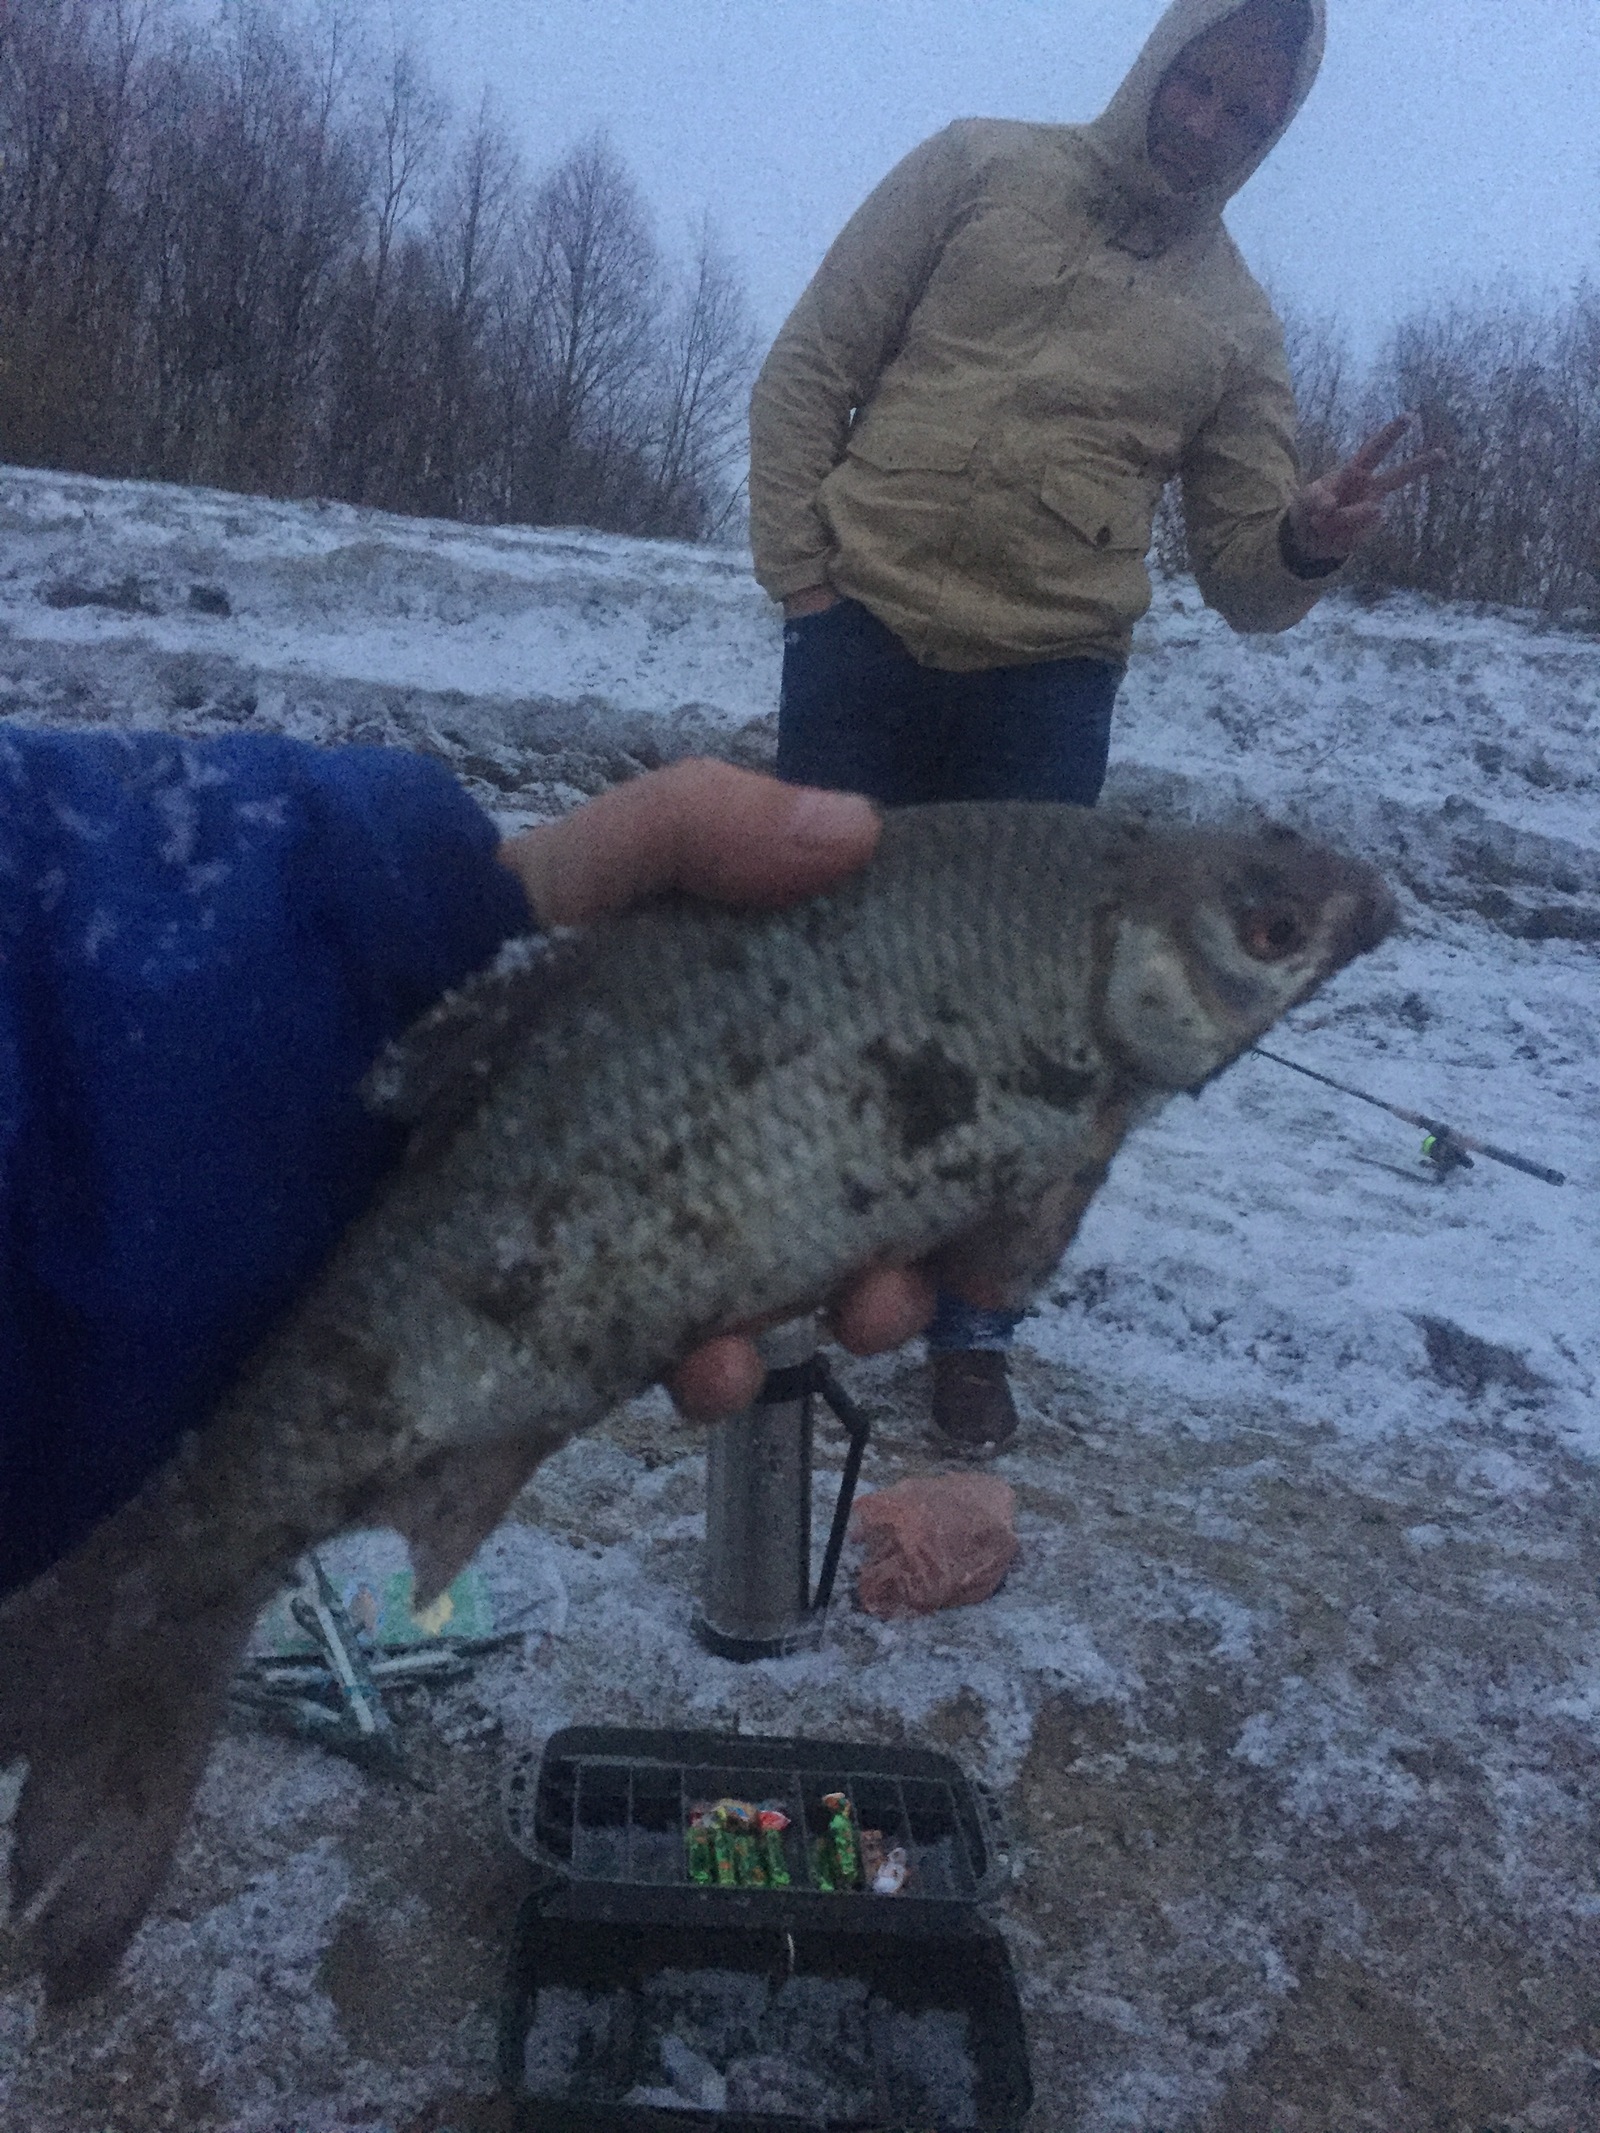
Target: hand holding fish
(626, 1145)
(703, 827)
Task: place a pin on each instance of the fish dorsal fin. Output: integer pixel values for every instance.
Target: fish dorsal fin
(432, 1078)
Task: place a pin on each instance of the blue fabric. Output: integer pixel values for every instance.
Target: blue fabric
(202, 946)
(858, 714)
(960, 1325)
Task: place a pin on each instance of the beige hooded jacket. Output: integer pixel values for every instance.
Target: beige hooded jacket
(1020, 337)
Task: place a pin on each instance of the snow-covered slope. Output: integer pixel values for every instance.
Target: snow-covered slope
(1293, 1694)
(1460, 746)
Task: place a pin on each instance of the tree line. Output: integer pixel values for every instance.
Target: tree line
(254, 253)
(1510, 388)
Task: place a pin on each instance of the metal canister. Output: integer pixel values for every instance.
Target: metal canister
(755, 1585)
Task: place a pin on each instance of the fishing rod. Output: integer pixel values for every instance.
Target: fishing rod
(1444, 1147)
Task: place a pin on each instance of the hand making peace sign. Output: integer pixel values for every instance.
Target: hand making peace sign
(1333, 513)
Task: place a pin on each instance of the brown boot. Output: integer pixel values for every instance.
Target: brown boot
(973, 1412)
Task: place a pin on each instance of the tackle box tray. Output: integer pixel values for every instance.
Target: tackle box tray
(878, 2032)
(860, 2012)
(608, 1808)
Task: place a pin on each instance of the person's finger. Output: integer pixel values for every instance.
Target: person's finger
(817, 601)
(881, 1309)
(1342, 528)
(703, 826)
(1355, 524)
(1330, 535)
(1344, 486)
(1408, 471)
(1378, 446)
(1316, 515)
(719, 1379)
(1325, 503)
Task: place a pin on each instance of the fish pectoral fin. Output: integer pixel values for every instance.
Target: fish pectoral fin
(1004, 1259)
(112, 1691)
(446, 1511)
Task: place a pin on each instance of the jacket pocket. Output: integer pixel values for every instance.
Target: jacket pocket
(1104, 513)
(911, 447)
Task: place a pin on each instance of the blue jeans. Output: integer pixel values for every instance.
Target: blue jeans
(858, 714)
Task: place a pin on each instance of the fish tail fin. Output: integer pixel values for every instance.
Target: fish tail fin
(112, 1684)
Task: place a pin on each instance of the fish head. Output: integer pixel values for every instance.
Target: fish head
(1219, 935)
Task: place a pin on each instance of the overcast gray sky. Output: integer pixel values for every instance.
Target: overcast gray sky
(1447, 142)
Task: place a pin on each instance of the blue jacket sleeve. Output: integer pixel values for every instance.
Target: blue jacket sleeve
(202, 947)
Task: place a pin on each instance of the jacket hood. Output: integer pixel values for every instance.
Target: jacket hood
(1120, 135)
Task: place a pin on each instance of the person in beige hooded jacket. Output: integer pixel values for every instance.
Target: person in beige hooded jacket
(960, 436)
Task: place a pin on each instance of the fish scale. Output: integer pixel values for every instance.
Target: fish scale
(686, 1119)
(810, 1111)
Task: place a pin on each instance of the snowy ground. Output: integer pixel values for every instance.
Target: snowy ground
(1293, 1697)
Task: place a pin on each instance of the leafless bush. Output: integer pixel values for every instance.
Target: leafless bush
(1512, 392)
(1325, 389)
(256, 255)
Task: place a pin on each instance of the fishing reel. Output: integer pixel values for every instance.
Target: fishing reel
(1442, 1153)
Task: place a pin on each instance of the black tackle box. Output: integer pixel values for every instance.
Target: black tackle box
(640, 2000)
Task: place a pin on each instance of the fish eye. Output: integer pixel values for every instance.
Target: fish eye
(1269, 934)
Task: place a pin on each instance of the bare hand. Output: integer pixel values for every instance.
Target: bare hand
(730, 834)
(882, 1307)
(1332, 514)
(815, 600)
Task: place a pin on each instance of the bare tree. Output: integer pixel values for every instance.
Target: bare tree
(592, 278)
(376, 334)
(252, 217)
(467, 244)
(708, 356)
(67, 139)
(233, 249)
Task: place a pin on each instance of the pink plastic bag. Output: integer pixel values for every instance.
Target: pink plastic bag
(942, 1542)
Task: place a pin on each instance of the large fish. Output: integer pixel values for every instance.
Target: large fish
(689, 1118)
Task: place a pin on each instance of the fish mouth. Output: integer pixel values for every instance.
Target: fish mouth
(1370, 915)
(1354, 922)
